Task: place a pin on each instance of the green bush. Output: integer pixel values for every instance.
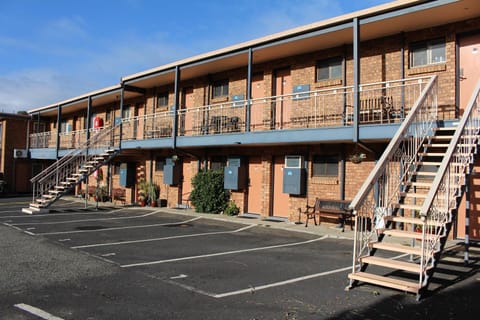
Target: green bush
(232, 209)
(208, 194)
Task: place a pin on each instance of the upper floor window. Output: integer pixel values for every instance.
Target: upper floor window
(159, 164)
(325, 166)
(329, 69)
(162, 100)
(427, 52)
(126, 112)
(220, 88)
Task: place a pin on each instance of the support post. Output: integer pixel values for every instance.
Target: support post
(122, 93)
(466, 256)
(59, 120)
(176, 104)
(356, 79)
(249, 91)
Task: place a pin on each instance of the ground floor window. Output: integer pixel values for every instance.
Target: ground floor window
(325, 166)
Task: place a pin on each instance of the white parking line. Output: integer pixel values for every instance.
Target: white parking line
(220, 253)
(49, 215)
(119, 228)
(278, 284)
(160, 239)
(87, 220)
(36, 312)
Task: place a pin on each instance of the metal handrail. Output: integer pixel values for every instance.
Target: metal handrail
(392, 146)
(446, 186)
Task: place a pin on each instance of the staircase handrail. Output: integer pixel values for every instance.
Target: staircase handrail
(391, 148)
(463, 132)
(72, 154)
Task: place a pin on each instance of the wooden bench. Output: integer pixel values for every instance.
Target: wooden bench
(329, 209)
(119, 194)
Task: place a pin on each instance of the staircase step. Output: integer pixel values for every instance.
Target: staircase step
(445, 128)
(431, 154)
(66, 183)
(398, 284)
(436, 145)
(391, 263)
(411, 220)
(74, 179)
(406, 234)
(396, 247)
(48, 196)
(55, 192)
(409, 206)
(424, 173)
(429, 163)
(77, 174)
(414, 195)
(418, 184)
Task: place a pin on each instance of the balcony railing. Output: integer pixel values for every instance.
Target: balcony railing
(46, 139)
(379, 103)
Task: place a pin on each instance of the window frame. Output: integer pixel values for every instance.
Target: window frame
(162, 99)
(159, 164)
(325, 160)
(329, 63)
(220, 88)
(427, 47)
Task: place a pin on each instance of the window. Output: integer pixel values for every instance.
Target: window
(329, 69)
(427, 52)
(325, 166)
(220, 88)
(126, 112)
(159, 164)
(162, 100)
(116, 168)
(218, 163)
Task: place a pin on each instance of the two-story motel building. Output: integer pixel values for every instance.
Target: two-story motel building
(299, 114)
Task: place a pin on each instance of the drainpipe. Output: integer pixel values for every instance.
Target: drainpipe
(176, 104)
(249, 90)
(356, 79)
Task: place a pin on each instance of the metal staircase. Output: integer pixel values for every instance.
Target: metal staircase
(73, 168)
(406, 207)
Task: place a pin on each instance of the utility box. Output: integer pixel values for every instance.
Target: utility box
(294, 175)
(234, 174)
(127, 174)
(171, 172)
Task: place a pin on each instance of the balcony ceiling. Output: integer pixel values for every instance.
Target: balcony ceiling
(380, 21)
(384, 20)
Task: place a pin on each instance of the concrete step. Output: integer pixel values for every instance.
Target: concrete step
(391, 263)
(388, 282)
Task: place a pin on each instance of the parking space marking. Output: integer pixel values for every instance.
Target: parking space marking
(36, 311)
(253, 289)
(221, 253)
(163, 238)
(49, 215)
(118, 228)
(87, 220)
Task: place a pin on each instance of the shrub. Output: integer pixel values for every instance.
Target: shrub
(208, 194)
(232, 209)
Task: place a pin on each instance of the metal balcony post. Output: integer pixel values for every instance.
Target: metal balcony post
(356, 79)
(176, 103)
(249, 90)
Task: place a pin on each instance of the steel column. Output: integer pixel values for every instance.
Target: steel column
(176, 103)
(356, 79)
(122, 93)
(249, 90)
(59, 119)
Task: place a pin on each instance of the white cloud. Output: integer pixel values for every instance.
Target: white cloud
(66, 28)
(33, 88)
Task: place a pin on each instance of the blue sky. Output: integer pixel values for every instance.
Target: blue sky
(52, 50)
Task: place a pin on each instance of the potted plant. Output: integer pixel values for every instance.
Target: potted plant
(142, 193)
(153, 193)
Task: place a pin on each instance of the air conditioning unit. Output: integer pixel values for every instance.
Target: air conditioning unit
(294, 162)
(20, 153)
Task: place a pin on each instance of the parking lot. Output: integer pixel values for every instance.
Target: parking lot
(156, 263)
